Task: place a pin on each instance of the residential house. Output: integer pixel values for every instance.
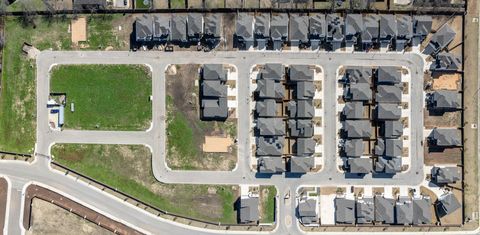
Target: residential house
(301, 109)
(447, 204)
(388, 94)
(344, 211)
(440, 40)
(262, 30)
(195, 27)
(266, 108)
(353, 29)
(270, 165)
(244, 30)
(388, 75)
(353, 148)
(300, 128)
(249, 212)
(359, 165)
(388, 165)
(422, 213)
(270, 126)
(357, 129)
(304, 147)
(308, 211)
(353, 110)
(358, 74)
(445, 137)
(335, 34)
(358, 92)
(388, 30)
(317, 32)
(384, 210)
(301, 165)
(298, 30)
(446, 175)
(446, 62)
(385, 111)
(178, 27)
(143, 29)
(391, 129)
(365, 210)
(404, 211)
(445, 100)
(270, 146)
(370, 35)
(161, 28)
(213, 29)
(422, 25)
(405, 31)
(279, 30)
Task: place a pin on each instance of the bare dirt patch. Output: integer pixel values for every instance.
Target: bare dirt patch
(447, 82)
(445, 119)
(79, 30)
(447, 156)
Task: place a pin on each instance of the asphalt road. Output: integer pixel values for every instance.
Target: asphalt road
(41, 173)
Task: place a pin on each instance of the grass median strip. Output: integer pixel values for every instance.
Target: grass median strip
(128, 169)
(268, 204)
(106, 97)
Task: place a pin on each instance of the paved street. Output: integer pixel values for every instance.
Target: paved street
(155, 136)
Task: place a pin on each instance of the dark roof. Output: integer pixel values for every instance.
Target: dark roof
(279, 26)
(161, 26)
(353, 110)
(270, 165)
(404, 26)
(89, 4)
(365, 210)
(447, 204)
(357, 128)
(446, 62)
(244, 26)
(300, 127)
(359, 165)
(249, 210)
(301, 109)
(387, 111)
(270, 89)
(307, 211)
(444, 99)
(304, 147)
(358, 92)
(271, 126)
(388, 165)
(335, 27)
(270, 146)
(388, 27)
(344, 211)
(440, 40)
(446, 137)
(214, 72)
(317, 25)
(266, 108)
(372, 27)
(143, 28)
(358, 74)
(300, 73)
(384, 210)
(178, 26)
(422, 213)
(353, 147)
(422, 25)
(380, 147)
(353, 27)
(404, 211)
(389, 75)
(393, 147)
(214, 108)
(298, 28)
(388, 94)
(392, 129)
(304, 90)
(213, 24)
(262, 25)
(301, 164)
(273, 72)
(213, 88)
(194, 24)
(446, 175)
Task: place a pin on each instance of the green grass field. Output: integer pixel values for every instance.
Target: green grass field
(268, 205)
(114, 97)
(128, 169)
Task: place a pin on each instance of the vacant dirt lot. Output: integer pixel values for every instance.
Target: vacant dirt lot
(186, 132)
(48, 218)
(447, 156)
(446, 119)
(447, 82)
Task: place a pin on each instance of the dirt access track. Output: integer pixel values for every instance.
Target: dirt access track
(35, 191)
(3, 202)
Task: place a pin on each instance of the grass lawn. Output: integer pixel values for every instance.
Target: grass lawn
(139, 4)
(114, 97)
(177, 4)
(268, 204)
(128, 168)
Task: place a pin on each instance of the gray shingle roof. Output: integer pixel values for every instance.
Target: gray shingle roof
(353, 27)
(271, 126)
(389, 75)
(249, 210)
(178, 26)
(393, 147)
(194, 24)
(304, 147)
(344, 211)
(446, 62)
(270, 146)
(358, 92)
(279, 26)
(143, 28)
(404, 26)
(387, 111)
(214, 108)
(161, 26)
(440, 40)
(447, 204)
(213, 25)
(317, 26)
(388, 94)
(214, 72)
(262, 25)
(404, 211)
(353, 148)
(357, 74)
(444, 99)
(353, 110)
(300, 127)
(266, 108)
(388, 28)
(357, 128)
(307, 211)
(335, 26)
(301, 164)
(422, 213)
(270, 165)
(384, 210)
(304, 90)
(388, 165)
(422, 25)
(300, 73)
(244, 26)
(301, 109)
(273, 72)
(372, 28)
(270, 89)
(213, 88)
(392, 129)
(365, 210)
(298, 28)
(359, 165)
(446, 137)
(445, 175)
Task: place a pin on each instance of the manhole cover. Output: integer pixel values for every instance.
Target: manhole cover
(474, 126)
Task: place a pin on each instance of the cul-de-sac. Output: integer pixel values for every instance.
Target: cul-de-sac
(261, 117)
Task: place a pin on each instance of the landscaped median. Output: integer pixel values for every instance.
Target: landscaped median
(128, 169)
(104, 97)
